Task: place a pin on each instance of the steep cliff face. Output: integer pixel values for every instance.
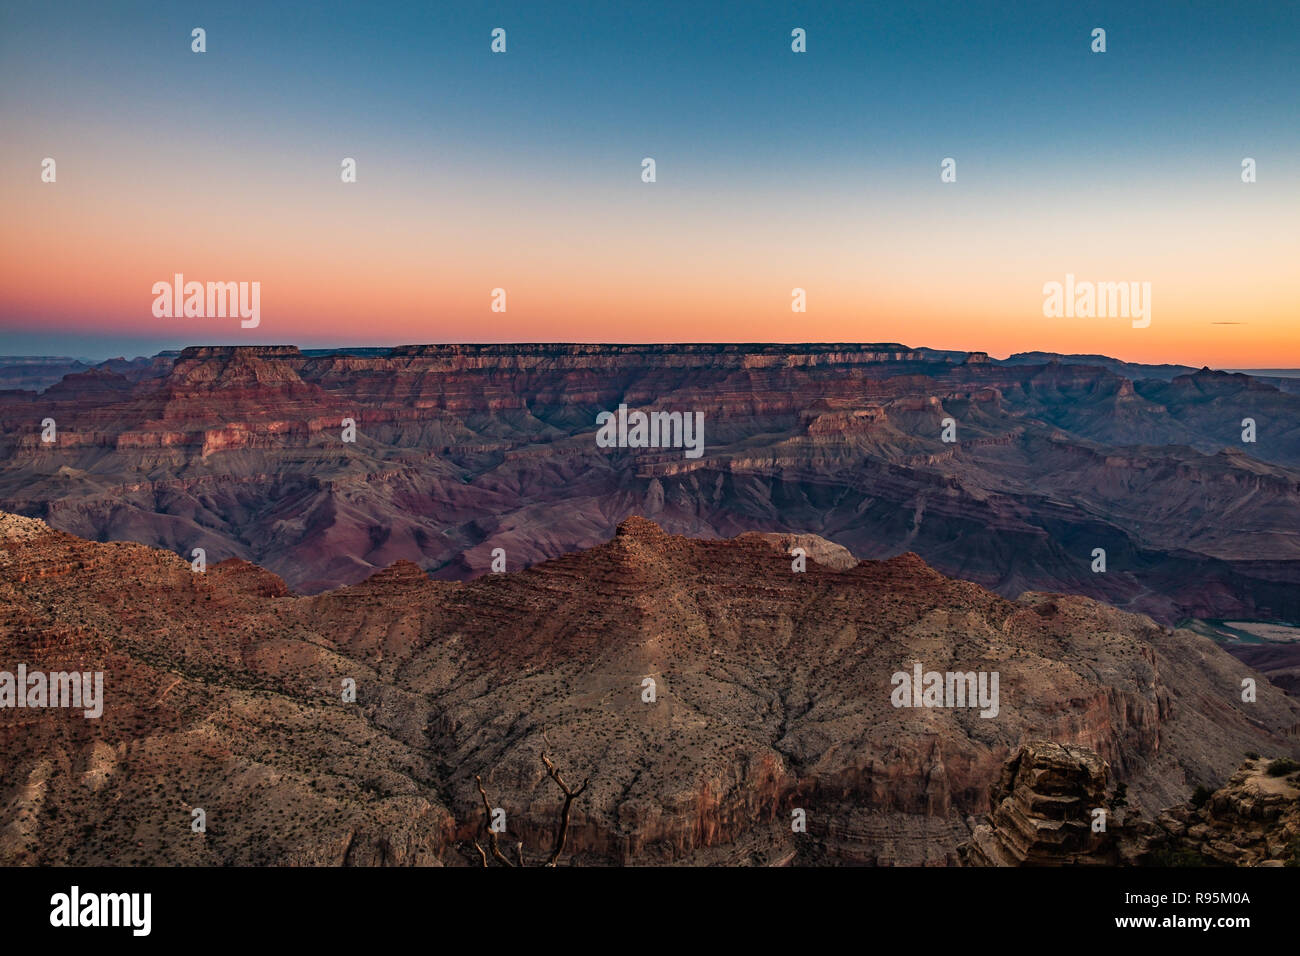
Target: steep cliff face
(713, 695)
(1053, 808)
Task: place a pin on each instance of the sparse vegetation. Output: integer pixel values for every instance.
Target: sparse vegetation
(1282, 766)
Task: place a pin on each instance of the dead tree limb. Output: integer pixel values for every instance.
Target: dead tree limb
(492, 834)
(569, 796)
(561, 837)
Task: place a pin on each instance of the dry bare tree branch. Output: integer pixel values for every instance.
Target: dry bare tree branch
(561, 837)
(492, 834)
(569, 796)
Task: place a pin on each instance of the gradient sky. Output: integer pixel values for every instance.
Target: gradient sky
(775, 170)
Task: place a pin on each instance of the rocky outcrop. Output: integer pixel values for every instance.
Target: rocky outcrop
(1252, 820)
(1044, 808)
(815, 548)
(1052, 808)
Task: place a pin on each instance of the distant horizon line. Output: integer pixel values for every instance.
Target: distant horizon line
(122, 357)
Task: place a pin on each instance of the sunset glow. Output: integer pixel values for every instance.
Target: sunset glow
(211, 167)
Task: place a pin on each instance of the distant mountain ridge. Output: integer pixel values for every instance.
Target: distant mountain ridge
(1131, 370)
(18, 372)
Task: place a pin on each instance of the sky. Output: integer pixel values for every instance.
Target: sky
(775, 170)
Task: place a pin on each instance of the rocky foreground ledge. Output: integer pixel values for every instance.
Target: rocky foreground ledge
(1049, 799)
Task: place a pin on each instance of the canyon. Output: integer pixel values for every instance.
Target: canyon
(461, 450)
(228, 693)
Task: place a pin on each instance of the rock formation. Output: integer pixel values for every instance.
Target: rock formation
(1049, 797)
(1044, 806)
(1252, 820)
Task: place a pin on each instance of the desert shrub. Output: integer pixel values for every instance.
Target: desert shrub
(1251, 755)
(1282, 766)
(1201, 795)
